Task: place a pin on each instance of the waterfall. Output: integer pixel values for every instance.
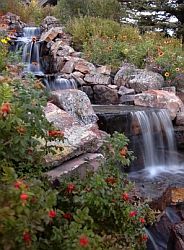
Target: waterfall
(155, 131)
(30, 50)
(58, 83)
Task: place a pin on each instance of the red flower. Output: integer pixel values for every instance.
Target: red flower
(24, 197)
(5, 108)
(110, 180)
(52, 214)
(144, 237)
(67, 216)
(83, 241)
(125, 196)
(132, 213)
(142, 220)
(27, 237)
(70, 188)
(18, 184)
(55, 133)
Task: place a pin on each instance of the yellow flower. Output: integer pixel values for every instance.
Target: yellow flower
(3, 41)
(177, 69)
(166, 74)
(8, 39)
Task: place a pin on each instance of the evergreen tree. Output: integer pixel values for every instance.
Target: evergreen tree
(150, 15)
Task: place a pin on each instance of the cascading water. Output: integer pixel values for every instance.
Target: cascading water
(30, 50)
(58, 83)
(158, 148)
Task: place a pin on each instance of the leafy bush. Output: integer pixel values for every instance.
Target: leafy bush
(3, 52)
(28, 13)
(84, 29)
(98, 212)
(25, 132)
(110, 9)
(26, 208)
(107, 42)
(104, 51)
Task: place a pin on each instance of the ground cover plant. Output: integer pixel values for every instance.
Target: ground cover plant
(104, 41)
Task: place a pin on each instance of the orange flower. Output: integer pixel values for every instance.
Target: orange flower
(5, 108)
(123, 151)
(110, 180)
(55, 133)
(166, 74)
(21, 130)
(161, 53)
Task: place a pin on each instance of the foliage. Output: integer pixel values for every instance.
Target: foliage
(28, 13)
(24, 212)
(25, 132)
(108, 42)
(3, 52)
(98, 212)
(83, 29)
(97, 8)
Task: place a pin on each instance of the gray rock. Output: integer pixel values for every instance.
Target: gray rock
(105, 95)
(138, 79)
(106, 70)
(76, 103)
(84, 66)
(78, 166)
(49, 22)
(160, 99)
(141, 80)
(78, 138)
(125, 91)
(121, 76)
(96, 78)
(68, 67)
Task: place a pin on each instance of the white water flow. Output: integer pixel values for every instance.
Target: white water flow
(30, 50)
(158, 145)
(59, 83)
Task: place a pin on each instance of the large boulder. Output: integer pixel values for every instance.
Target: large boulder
(49, 22)
(11, 21)
(84, 66)
(97, 78)
(138, 79)
(78, 138)
(160, 99)
(105, 95)
(76, 103)
(51, 34)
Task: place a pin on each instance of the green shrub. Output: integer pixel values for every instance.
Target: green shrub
(110, 9)
(99, 212)
(104, 51)
(3, 52)
(84, 29)
(25, 132)
(32, 13)
(26, 209)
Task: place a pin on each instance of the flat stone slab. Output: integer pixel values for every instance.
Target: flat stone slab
(78, 166)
